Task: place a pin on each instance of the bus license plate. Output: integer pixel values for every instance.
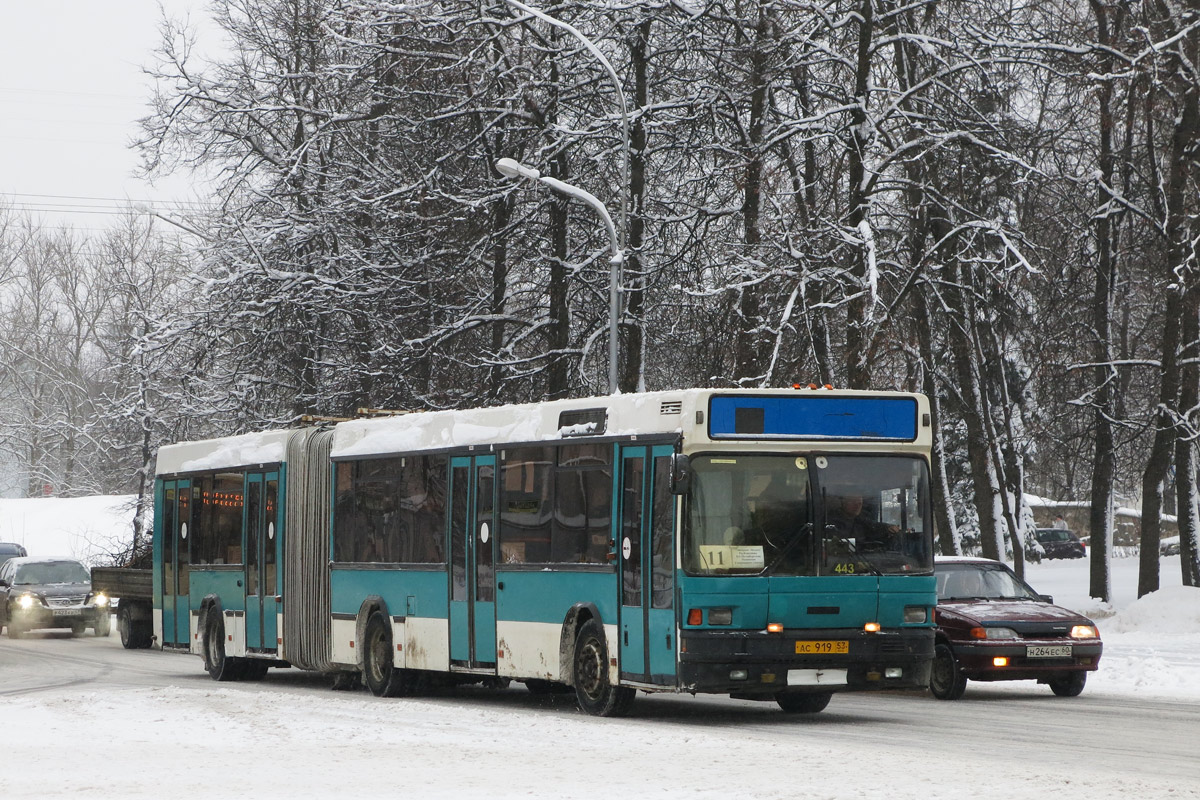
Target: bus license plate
(67, 612)
(838, 648)
(1048, 651)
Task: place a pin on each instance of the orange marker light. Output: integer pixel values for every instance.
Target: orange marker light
(774, 627)
(871, 627)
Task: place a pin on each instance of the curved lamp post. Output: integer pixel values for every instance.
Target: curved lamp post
(619, 234)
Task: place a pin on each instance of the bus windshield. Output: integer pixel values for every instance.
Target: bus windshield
(766, 514)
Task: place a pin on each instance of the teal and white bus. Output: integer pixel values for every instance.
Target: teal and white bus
(768, 544)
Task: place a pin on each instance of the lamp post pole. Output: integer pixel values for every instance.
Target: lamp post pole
(621, 237)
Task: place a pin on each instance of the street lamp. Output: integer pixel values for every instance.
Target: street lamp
(620, 235)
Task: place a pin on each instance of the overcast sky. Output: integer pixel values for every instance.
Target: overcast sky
(71, 92)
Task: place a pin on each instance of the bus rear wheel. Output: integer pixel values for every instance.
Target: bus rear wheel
(593, 691)
(219, 666)
(381, 677)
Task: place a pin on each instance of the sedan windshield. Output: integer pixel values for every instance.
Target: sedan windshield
(807, 515)
(980, 582)
(51, 572)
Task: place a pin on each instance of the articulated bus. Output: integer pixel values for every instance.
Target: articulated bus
(770, 545)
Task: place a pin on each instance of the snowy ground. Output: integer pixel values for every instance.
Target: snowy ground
(159, 727)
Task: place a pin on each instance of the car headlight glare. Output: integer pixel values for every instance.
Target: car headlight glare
(1084, 632)
(26, 601)
(100, 599)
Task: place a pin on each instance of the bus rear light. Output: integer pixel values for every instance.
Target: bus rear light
(871, 627)
(774, 627)
(695, 616)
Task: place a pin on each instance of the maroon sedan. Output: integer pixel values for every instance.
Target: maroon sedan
(992, 627)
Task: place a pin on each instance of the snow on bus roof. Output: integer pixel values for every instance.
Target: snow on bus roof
(531, 422)
(267, 447)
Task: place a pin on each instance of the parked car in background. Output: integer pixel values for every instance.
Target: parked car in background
(1058, 543)
(50, 593)
(10, 550)
(1169, 546)
(991, 626)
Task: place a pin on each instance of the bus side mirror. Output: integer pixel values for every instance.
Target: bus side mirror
(681, 473)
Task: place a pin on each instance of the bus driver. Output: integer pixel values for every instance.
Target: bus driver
(846, 519)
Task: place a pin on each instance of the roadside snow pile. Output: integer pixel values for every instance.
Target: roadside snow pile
(1171, 610)
(86, 528)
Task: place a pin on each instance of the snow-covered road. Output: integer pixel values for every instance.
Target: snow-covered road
(84, 718)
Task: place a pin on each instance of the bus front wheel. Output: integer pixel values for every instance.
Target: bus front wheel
(803, 702)
(595, 694)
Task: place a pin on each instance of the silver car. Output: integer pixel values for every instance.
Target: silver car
(50, 593)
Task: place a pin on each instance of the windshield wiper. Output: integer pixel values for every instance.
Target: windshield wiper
(787, 548)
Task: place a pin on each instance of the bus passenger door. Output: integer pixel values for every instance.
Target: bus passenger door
(647, 617)
(262, 541)
(176, 555)
(472, 562)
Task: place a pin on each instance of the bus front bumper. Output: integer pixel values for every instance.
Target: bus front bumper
(747, 663)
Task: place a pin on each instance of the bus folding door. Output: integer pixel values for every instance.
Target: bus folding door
(472, 562)
(647, 616)
(176, 561)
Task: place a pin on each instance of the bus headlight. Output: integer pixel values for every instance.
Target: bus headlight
(915, 614)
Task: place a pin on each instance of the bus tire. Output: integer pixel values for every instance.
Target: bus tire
(219, 666)
(589, 670)
(381, 677)
(803, 702)
(946, 679)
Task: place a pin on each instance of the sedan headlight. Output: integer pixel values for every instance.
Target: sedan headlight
(100, 599)
(993, 633)
(1084, 632)
(26, 601)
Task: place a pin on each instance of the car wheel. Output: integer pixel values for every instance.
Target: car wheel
(103, 625)
(593, 691)
(77, 628)
(803, 702)
(15, 631)
(946, 680)
(1069, 686)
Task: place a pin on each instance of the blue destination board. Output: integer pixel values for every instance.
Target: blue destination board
(813, 417)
